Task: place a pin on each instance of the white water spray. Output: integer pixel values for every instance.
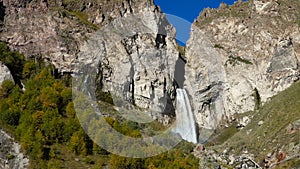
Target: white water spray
(185, 122)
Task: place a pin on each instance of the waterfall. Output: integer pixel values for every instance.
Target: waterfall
(185, 123)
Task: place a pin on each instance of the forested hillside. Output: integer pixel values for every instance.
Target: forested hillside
(41, 116)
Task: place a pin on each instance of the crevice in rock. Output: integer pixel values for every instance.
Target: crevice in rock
(257, 98)
(179, 72)
(130, 8)
(209, 87)
(2, 13)
(165, 85)
(132, 84)
(129, 45)
(169, 109)
(152, 91)
(206, 104)
(160, 41)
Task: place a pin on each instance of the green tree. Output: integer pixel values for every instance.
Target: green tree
(6, 88)
(11, 116)
(71, 126)
(49, 97)
(29, 69)
(13, 60)
(65, 104)
(37, 151)
(70, 110)
(52, 126)
(77, 143)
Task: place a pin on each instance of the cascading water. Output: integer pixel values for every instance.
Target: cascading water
(185, 122)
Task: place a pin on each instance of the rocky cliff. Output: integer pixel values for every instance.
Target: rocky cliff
(239, 56)
(136, 61)
(4, 73)
(55, 29)
(141, 64)
(11, 156)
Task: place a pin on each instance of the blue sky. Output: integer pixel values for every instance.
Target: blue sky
(181, 13)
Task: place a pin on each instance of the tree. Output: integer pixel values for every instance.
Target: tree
(11, 116)
(77, 143)
(52, 126)
(29, 69)
(37, 118)
(6, 88)
(49, 97)
(65, 104)
(71, 126)
(13, 60)
(37, 151)
(27, 138)
(70, 111)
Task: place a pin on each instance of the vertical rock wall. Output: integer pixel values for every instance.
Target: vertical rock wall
(239, 56)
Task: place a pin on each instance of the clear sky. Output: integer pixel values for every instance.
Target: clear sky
(181, 13)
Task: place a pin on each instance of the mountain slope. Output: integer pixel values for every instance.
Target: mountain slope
(272, 137)
(241, 55)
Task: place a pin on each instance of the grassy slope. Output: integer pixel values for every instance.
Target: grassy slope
(278, 113)
(282, 110)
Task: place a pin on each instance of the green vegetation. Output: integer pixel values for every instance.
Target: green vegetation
(73, 4)
(13, 60)
(297, 6)
(235, 60)
(244, 12)
(277, 114)
(222, 135)
(218, 46)
(181, 50)
(79, 9)
(83, 18)
(298, 21)
(178, 158)
(294, 163)
(43, 119)
(239, 10)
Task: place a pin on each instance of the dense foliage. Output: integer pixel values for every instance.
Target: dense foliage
(13, 60)
(42, 117)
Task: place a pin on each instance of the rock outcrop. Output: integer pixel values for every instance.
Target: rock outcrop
(137, 56)
(55, 29)
(239, 56)
(141, 64)
(11, 156)
(4, 73)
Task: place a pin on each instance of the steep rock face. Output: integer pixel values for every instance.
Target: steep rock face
(55, 29)
(10, 156)
(138, 54)
(239, 56)
(205, 79)
(4, 73)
